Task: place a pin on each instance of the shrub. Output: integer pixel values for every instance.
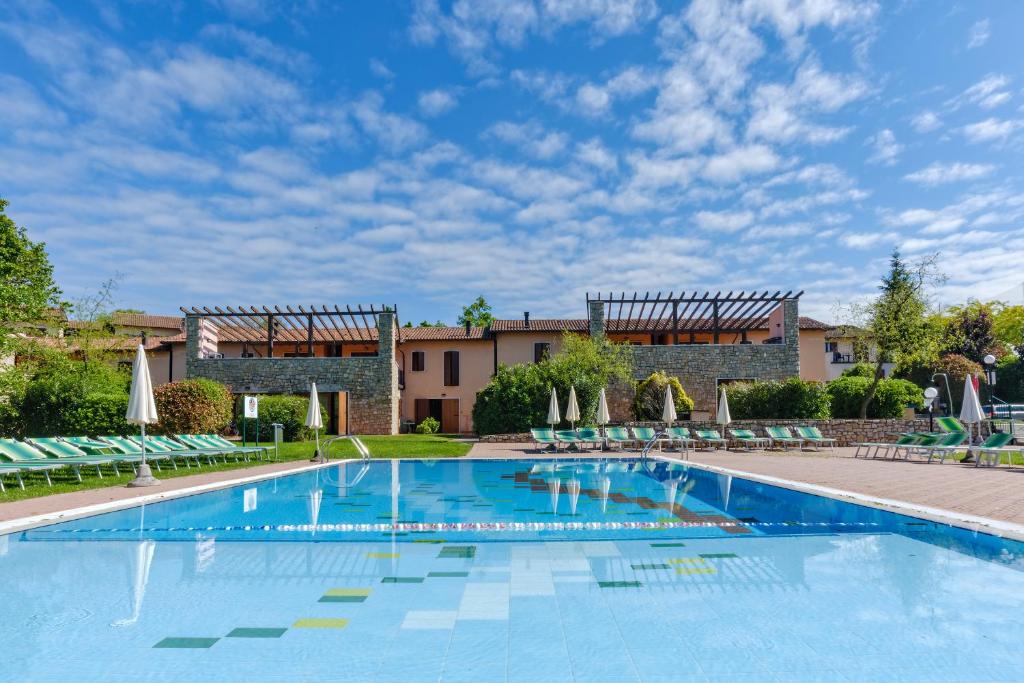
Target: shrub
(428, 426)
(192, 406)
(891, 397)
(98, 414)
(289, 411)
(516, 398)
(649, 401)
(1010, 379)
(67, 397)
(860, 370)
(792, 399)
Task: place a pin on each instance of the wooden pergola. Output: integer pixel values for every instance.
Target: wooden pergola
(312, 325)
(731, 313)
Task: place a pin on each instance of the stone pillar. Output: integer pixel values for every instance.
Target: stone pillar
(596, 319)
(386, 356)
(791, 322)
(200, 341)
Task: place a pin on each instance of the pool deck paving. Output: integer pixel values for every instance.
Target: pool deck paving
(962, 490)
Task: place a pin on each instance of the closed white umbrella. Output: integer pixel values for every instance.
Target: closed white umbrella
(553, 417)
(142, 411)
(572, 411)
(723, 417)
(603, 417)
(573, 486)
(313, 418)
(668, 413)
(142, 561)
(316, 497)
(970, 411)
(555, 487)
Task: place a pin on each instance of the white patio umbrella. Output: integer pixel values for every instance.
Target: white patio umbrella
(668, 413)
(723, 417)
(313, 418)
(553, 417)
(970, 411)
(142, 411)
(142, 560)
(572, 411)
(573, 486)
(603, 417)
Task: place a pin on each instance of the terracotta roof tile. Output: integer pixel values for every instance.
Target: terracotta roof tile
(542, 325)
(442, 333)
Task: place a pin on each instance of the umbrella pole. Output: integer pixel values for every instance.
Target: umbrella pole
(144, 477)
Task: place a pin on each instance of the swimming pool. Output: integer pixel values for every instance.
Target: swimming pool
(509, 570)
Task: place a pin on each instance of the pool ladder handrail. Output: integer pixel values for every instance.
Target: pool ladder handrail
(364, 452)
(650, 444)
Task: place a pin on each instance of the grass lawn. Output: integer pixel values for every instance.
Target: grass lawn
(401, 446)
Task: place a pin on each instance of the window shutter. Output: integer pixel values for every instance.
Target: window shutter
(451, 368)
(418, 361)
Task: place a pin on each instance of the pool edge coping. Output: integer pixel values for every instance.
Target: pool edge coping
(45, 518)
(968, 522)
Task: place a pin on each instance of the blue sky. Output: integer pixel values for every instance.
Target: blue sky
(424, 152)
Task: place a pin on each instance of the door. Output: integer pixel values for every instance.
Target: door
(450, 415)
(341, 412)
(421, 410)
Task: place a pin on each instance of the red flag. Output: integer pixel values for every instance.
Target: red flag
(976, 382)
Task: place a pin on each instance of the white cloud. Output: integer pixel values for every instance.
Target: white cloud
(392, 131)
(885, 148)
(926, 121)
(594, 153)
(988, 93)
(939, 173)
(991, 129)
(738, 163)
(723, 221)
(380, 69)
(436, 102)
(595, 100)
(530, 137)
(979, 34)
(865, 240)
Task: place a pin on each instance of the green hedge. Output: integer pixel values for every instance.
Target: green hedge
(69, 398)
(792, 399)
(891, 397)
(649, 400)
(515, 400)
(290, 411)
(193, 406)
(98, 414)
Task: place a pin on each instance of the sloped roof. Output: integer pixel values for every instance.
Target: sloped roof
(542, 325)
(443, 333)
(141, 320)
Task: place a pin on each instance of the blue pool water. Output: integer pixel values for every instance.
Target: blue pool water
(509, 570)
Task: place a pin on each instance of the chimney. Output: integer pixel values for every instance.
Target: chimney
(467, 328)
(526, 319)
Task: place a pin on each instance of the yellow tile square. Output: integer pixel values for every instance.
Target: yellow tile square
(382, 556)
(695, 570)
(686, 560)
(320, 623)
(347, 592)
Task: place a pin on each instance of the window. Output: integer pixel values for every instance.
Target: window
(831, 347)
(541, 350)
(451, 368)
(418, 361)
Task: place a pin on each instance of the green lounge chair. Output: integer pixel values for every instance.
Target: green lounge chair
(992, 449)
(950, 424)
(681, 436)
(589, 435)
(864, 448)
(918, 443)
(126, 446)
(165, 444)
(10, 469)
(91, 446)
(814, 436)
(782, 437)
(62, 450)
(642, 435)
(568, 437)
(619, 435)
(218, 441)
(29, 459)
(543, 437)
(947, 445)
(749, 439)
(711, 438)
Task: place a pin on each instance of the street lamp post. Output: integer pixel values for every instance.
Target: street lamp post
(949, 394)
(990, 379)
(930, 394)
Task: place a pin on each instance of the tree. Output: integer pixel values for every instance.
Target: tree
(897, 318)
(969, 331)
(425, 323)
(477, 314)
(1008, 325)
(27, 288)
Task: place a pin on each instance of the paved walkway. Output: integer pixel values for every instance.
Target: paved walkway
(87, 497)
(983, 492)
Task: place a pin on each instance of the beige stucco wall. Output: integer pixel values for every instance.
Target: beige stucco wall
(812, 355)
(517, 347)
(476, 361)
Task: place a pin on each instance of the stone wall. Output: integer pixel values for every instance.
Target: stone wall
(846, 432)
(371, 382)
(699, 367)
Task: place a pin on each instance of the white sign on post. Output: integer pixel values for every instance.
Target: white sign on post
(252, 406)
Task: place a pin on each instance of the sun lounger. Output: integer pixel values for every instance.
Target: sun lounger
(62, 450)
(218, 441)
(681, 436)
(619, 435)
(542, 436)
(782, 436)
(950, 424)
(642, 435)
(992, 449)
(589, 435)
(865, 447)
(27, 458)
(945, 445)
(711, 438)
(166, 444)
(126, 446)
(568, 437)
(813, 435)
(749, 439)
(10, 469)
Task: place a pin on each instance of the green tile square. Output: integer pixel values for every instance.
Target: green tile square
(187, 643)
(650, 566)
(619, 584)
(402, 579)
(718, 556)
(668, 545)
(342, 598)
(460, 551)
(444, 575)
(256, 632)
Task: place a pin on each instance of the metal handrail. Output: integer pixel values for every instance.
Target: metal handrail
(364, 452)
(650, 444)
